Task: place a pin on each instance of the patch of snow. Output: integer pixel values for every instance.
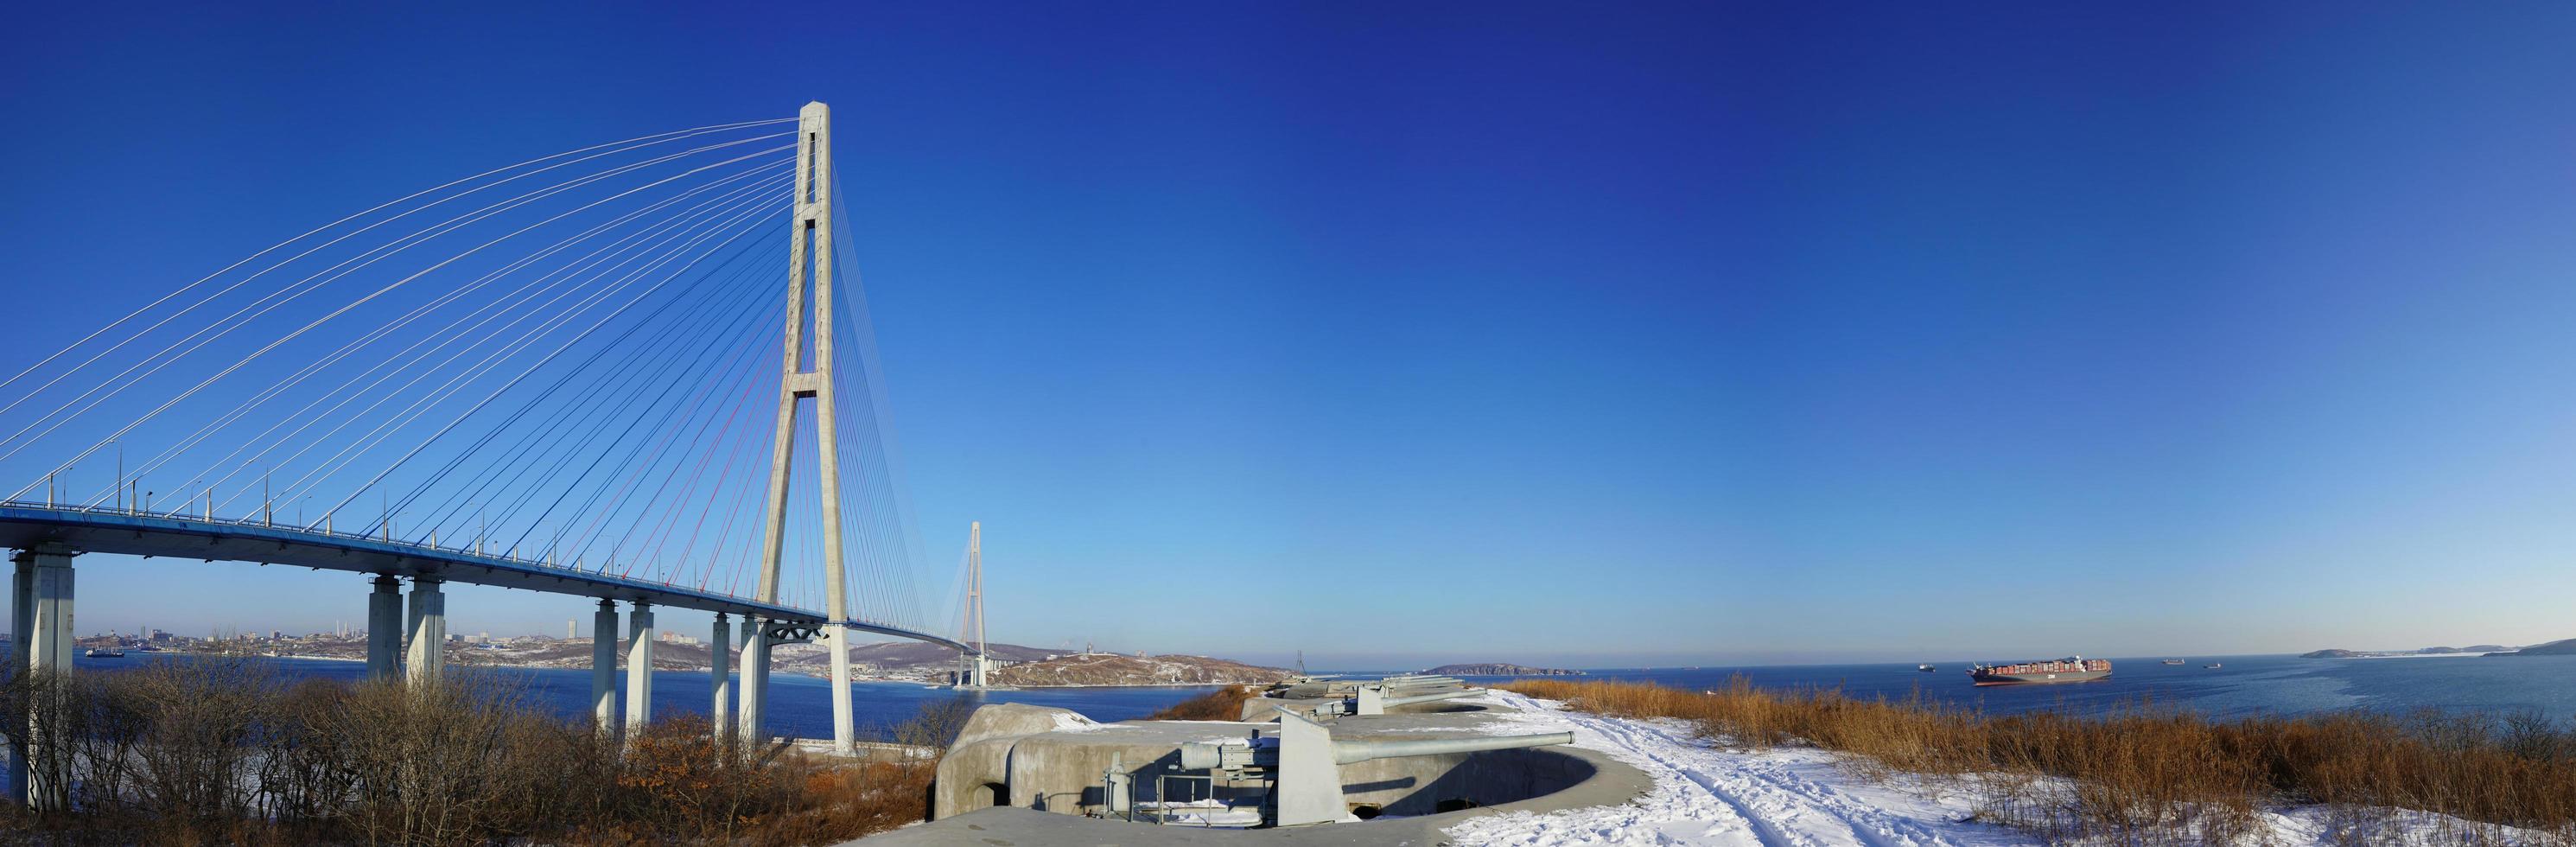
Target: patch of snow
(1070, 722)
(1808, 798)
(1706, 796)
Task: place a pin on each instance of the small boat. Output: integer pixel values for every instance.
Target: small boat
(96, 653)
(1924, 668)
(2173, 661)
(2211, 666)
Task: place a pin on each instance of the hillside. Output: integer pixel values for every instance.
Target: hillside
(2561, 647)
(1113, 669)
(2481, 649)
(1500, 669)
(900, 654)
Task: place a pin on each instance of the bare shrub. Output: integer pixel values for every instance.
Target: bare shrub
(2151, 774)
(224, 750)
(1223, 704)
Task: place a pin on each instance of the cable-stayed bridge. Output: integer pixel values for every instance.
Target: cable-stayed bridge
(565, 375)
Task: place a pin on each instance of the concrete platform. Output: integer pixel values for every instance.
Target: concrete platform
(1053, 761)
(1612, 783)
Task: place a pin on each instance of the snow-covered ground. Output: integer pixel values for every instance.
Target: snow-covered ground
(1794, 798)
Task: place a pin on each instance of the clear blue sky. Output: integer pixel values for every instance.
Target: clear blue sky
(1555, 333)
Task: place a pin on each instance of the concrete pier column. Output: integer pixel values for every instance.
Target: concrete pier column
(22, 622)
(720, 677)
(755, 679)
(639, 666)
(603, 667)
(49, 622)
(385, 629)
(42, 597)
(844, 726)
(22, 610)
(427, 658)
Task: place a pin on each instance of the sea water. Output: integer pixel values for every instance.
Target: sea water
(2241, 686)
(799, 706)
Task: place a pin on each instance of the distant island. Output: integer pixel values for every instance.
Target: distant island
(2561, 647)
(1500, 669)
(2472, 650)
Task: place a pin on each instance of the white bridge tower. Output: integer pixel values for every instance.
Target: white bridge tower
(809, 257)
(970, 625)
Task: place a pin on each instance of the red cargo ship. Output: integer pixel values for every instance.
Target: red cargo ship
(2069, 669)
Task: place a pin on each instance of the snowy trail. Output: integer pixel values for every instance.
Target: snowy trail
(1706, 796)
(1804, 798)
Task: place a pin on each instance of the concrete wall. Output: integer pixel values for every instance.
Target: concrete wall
(981, 754)
(1020, 749)
(1422, 785)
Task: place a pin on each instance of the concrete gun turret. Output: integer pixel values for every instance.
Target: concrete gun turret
(1354, 751)
(1309, 777)
(1305, 762)
(1371, 701)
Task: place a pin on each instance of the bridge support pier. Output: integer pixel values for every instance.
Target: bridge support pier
(41, 600)
(720, 678)
(844, 726)
(639, 667)
(22, 626)
(427, 658)
(755, 679)
(384, 630)
(603, 668)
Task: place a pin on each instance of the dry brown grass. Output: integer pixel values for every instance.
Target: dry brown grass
(226, 751)
(2149, 774)
(1223, 704)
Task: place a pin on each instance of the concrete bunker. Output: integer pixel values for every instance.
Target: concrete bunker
(1401, 762)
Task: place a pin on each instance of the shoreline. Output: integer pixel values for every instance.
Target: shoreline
(823, 678)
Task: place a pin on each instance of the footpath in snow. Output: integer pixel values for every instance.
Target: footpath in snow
(1785, 798)
(1703, 795)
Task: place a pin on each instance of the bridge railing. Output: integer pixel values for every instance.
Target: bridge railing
(377, 540)
(386, 540)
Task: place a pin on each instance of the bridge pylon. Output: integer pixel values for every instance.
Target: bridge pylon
(970, 624)
(809, 258)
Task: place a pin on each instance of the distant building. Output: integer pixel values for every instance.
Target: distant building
(572, 628)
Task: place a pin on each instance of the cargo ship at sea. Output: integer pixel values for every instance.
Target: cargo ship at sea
(2069, 669)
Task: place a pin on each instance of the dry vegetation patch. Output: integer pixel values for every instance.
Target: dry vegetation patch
(2157, 774)
(228, 751)
(1223, 704)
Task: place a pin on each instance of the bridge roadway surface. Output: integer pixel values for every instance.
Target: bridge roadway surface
(179, 536)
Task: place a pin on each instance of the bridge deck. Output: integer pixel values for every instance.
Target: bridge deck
(180, 536)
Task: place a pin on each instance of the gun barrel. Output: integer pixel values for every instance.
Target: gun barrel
(1347, 752)
(1437, 695)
